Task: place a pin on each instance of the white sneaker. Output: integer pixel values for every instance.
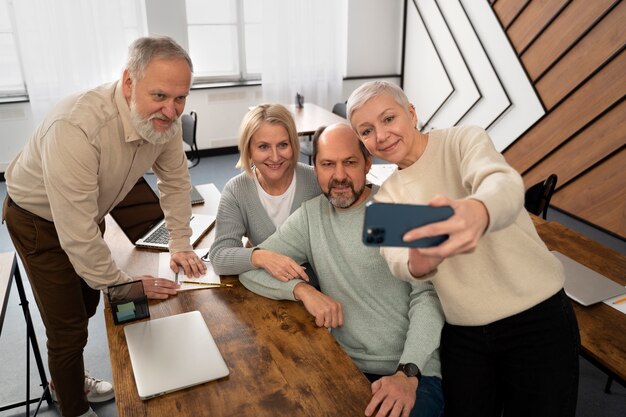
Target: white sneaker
(97, 391)
(89, 413)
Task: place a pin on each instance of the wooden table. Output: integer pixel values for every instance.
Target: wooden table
(312, 116)
(602, 328)
(280, 362)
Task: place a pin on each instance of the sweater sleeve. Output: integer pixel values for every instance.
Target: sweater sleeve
(291, 239)
(227, 254)
(490, 178)
(425, 323)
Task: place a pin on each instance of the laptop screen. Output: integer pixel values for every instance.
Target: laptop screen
(139, 211)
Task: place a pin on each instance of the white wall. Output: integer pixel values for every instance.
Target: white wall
(220, 110)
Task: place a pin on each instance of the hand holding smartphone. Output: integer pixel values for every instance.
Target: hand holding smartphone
(386, 223)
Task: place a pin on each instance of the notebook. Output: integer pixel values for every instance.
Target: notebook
(585, 285)
(172, 353)
(196, 197)
(140, 217)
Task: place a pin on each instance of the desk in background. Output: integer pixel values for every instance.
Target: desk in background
(311, 116)
(602, 328)
(280, 362)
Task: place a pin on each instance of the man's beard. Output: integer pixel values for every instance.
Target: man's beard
(145, 129)
(343, 201)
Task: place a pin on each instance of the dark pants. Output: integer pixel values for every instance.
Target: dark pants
(428, 397)
(65, 302)
(523, 365)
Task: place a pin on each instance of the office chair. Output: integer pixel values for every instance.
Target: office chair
(537, 197)
(340, 109)
(190, 125)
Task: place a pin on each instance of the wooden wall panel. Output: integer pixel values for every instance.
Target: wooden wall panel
(591, 53)
(576, 64)
(577, 17)
(533, 19)
(599, 195)
(589, 101)
(584, 150)
(507, 10)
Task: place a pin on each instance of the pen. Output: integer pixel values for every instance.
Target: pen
(619, 300)
(176, 278)
(209, 284)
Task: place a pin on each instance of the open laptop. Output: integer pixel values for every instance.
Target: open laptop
(585, 285)
(140, 217)
(172, 353)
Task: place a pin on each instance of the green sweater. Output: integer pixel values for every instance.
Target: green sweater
(386, 321)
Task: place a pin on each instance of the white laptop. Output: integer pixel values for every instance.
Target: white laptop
(585, 285)
(140, 217)
(172, 353)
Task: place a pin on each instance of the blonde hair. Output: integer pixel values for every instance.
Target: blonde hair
(275, 114)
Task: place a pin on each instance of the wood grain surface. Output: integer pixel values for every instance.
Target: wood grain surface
(280, 363)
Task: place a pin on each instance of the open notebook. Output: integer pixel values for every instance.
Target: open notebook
(209, 278)
(172, 353)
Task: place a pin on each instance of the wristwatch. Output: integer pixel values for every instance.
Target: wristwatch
(410, 369)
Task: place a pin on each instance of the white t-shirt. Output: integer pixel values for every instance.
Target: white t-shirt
(278, 207)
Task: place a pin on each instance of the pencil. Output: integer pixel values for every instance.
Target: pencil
(619, 300)
(209, 284)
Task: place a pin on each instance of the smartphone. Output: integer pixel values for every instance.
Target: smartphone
(386, 223)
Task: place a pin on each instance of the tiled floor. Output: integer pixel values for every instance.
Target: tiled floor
(593, 402)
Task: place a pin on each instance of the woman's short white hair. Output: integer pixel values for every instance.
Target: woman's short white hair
(372, 89)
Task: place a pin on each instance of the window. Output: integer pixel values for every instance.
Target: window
(11, 79)
(225, 41)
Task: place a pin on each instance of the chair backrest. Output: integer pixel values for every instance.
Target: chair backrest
(340, 109)
(537, 197)
(189, 123)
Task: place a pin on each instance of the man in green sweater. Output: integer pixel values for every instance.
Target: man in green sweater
(389, 328)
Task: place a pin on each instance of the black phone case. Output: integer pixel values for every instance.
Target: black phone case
(386, 223)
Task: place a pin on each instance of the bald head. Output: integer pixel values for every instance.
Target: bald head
(326, 136)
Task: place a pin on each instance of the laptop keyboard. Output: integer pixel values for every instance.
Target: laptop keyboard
(160, 235)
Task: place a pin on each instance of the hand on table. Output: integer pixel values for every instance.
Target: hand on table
(157, 288)
(281, 267)
(327, 312)
(191, 264)
(393, 396)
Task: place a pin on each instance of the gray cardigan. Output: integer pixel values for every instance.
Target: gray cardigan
(241, 213)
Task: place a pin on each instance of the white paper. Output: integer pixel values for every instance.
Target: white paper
(621, 306)
(380, 172)
(166, 272)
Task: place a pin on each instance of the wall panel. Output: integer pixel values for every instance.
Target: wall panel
(598, 196)
(507, 10)
(576, 64)
(584, 150)
(562, 33)
(587, 103)
(606, 39)
(533, 19)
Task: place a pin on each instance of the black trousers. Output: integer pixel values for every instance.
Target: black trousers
(523, 365)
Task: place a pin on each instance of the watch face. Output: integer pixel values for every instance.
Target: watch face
(411, 369)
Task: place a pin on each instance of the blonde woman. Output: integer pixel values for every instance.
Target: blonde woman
(254, 203)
